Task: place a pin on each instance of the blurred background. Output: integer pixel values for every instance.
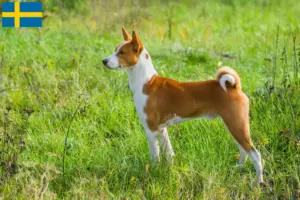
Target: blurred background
(68, 126)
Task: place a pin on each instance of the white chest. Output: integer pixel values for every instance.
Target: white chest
(138, 76)
(140, 101)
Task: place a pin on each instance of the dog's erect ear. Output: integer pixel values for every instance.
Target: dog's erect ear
(137, 44)
(126, 36)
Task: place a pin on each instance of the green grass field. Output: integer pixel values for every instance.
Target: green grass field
(53, 86)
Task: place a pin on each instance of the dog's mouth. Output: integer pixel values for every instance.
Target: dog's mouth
(113, 68)
(107, 64)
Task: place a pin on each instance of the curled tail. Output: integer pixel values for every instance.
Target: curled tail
(227, 77)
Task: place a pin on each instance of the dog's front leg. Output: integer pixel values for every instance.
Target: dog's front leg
(153, 145)
(166, 144)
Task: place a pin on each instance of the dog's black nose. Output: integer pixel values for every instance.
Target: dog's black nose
(105, 61)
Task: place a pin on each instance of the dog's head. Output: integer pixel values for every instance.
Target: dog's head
(126, 54)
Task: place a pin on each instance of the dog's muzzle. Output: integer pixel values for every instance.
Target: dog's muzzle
(105, 61)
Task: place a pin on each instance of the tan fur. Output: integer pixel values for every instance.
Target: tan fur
(169, 98)
(129, 53)
(163, 100)
(126, 36)
(228, 70)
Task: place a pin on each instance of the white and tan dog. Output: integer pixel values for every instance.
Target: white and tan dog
(161, 102)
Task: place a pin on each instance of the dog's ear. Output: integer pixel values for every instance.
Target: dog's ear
(126, 36)
(137, 44)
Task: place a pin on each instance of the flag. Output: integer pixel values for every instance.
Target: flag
(22, 14)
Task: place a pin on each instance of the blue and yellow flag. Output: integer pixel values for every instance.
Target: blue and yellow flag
(22, 14)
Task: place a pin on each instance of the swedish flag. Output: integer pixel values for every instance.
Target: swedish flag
(22, 14)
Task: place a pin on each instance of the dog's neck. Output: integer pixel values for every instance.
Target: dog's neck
(142, 72)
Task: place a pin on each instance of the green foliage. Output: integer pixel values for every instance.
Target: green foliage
(46, 74)
(77, 6)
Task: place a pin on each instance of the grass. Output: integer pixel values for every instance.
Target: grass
(53, 84)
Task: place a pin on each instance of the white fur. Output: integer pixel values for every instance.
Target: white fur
(256, 160)
(166, 144)
(224, 78)
(153, 144)
(173, 120)
(176, 119)
(243, 154)
(142, 72)
(113, 61)
(163, 138)
(138, 75)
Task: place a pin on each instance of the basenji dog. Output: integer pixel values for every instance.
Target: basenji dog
(161, 102)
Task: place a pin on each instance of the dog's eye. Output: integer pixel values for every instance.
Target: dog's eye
(121, 51)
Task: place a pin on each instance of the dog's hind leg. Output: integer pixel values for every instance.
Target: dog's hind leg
(243, 155)
(165, 142)
(256, 160)
(236, 119)
(241, 135)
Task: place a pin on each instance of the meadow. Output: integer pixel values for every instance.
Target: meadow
(68, 126)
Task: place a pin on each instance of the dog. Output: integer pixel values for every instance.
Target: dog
(161, 102)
